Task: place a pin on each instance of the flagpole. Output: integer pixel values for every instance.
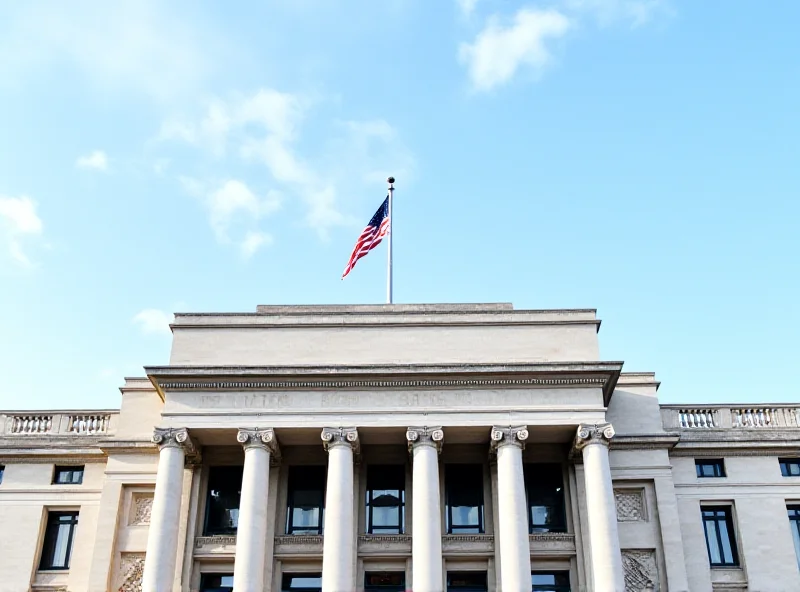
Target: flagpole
(390, 180)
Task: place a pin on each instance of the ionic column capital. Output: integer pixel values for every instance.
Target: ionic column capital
(175, 438)
(425, 436)
(332, 437)
(263, 438)
(589, 434)
(508, 436)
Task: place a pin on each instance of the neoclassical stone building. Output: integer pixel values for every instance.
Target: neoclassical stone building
(402, 447)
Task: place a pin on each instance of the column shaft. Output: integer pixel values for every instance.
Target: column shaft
(162, 537)
(607, 571)
(251, 536)
(426, 539)
(515, 555)
(338, 547)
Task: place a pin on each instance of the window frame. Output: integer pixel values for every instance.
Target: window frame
(387, 588)
(464, 528)
(51, 528)
(469, 588)
(207, 513)
(290, 528)
(717, 466)
(203, 576)
(786, 464)
(2, 473)
(400, 528)
(72, 470)
(551, 587)
(529, 478)
(794, 524)
(727, 518)
(300, 574)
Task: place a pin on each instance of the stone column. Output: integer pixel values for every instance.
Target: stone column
(251, 535)
(426, 525)
(162, 538)
(338, 545)
(607, 571)
(512, 529)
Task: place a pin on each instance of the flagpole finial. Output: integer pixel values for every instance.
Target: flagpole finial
(390, 180)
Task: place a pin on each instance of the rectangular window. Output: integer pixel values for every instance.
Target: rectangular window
(68, 475)
(309, 582)
(790, 467)
(464, 496)
(709, 467)
(222, 501)
(58, 538)
(386, 499)
(306, 500)
(794, 522)
(553, 581)
(216, 582)
(544, 487)
(2, 471)
(466, 581)
(720, 539)
(385, 581)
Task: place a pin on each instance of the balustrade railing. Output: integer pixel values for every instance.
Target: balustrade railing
(57, 423)
(730, 417)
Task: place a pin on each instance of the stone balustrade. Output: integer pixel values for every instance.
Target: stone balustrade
(57, 423)
(678, 417)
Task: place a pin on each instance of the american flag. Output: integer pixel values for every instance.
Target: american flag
(371, 236)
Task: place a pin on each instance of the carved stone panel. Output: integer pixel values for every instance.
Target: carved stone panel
(131, 571)
(141, 507)
(641, 572)
(630, 505)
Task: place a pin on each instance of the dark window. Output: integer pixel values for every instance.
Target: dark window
(709, 467)
(384, 581)
(720, 539)
(2, 471)
(794, 521)
(58, 537)
(386, 499)
(464, 485)
(68, 475)
(222, 501)
(216, 582)
(790, 467)
(554, 581)
(544, 486)
(310, 582)
(466, 581)
(306, 500)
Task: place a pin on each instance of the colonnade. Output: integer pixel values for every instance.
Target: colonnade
(339, 552)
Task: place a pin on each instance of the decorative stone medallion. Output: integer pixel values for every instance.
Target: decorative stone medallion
(630, 505)
(641, 572)
(131, 571)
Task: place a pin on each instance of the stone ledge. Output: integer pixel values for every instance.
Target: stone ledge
(559, 544)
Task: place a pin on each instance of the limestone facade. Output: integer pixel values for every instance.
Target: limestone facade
(401, 447)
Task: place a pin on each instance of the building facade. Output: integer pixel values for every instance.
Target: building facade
(403, 447)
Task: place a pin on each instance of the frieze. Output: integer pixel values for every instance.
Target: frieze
(399, 544)
(298, 539)
(215, 541)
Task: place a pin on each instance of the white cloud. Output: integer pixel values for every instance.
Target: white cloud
(18, 220)
(96, 160)
(499, 51)
(267, 127)
(467, 7)
(153, 321)
(234, 212)
(145, 46)
(610, 12)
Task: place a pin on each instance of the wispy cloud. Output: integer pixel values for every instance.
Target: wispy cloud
(610, 12)
(152, 321)
(467, 7)
(500, 50)
(267, 128)
(234, 212)
(19, 221)
(147, 47)
(95, 160)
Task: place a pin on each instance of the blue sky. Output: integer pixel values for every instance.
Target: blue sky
(635, 156)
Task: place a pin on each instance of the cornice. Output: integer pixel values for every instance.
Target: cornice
(542, 375)
(31, 458)
(644, 441)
